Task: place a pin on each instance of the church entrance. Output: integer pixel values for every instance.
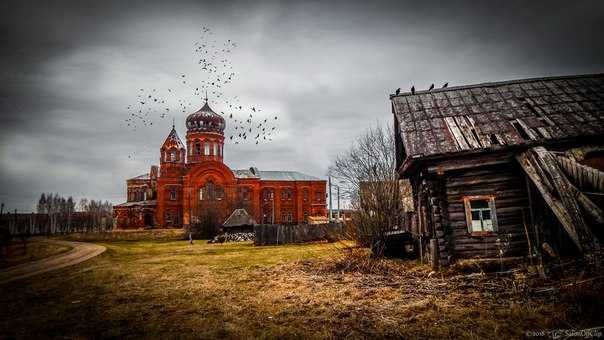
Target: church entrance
(148, 219)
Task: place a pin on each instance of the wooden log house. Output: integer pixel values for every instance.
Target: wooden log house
(506, 169)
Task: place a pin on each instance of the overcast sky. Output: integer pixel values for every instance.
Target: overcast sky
(68, 70)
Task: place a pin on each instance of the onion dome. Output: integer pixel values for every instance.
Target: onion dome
(205, 120)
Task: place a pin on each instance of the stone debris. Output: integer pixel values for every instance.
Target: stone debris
(233, 237)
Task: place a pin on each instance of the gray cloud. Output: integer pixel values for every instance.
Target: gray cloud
(69, 69)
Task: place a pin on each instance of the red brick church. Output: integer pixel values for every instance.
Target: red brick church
(193, 182)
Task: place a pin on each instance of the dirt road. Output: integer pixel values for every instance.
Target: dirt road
(80, 253)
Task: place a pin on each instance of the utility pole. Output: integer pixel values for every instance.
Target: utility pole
(338, 213)
(330, 206)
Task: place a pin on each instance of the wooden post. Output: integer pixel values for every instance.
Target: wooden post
(434, 258)
(535, 228)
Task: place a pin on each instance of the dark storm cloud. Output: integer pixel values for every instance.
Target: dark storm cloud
(68, 69)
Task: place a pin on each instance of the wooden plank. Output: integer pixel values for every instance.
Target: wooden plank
(544, 132)
(456, 132)
(541, 167)
(466, 130)
(528, 130)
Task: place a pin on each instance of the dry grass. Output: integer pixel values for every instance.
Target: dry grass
(173, 289)
(128, 235)
(33, 250)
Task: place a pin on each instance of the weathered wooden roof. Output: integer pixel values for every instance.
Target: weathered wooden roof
(496, 115)
(239, 218)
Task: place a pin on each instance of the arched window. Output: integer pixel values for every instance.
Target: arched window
(245, 193)
(267, 194)
(172, 194)
(219, 150)
(173, 156)
(210, 191)
(219, 193)
(215, 149)
(286, 194)
(197, 147)
(206, 148)
(305, 194)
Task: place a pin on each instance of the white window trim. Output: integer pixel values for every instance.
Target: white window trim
(468, 211)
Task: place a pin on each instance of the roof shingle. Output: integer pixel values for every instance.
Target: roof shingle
(474, 117)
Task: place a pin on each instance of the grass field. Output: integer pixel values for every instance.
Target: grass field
(32, 251)
(159, 289)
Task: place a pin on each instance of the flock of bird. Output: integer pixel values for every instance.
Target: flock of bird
(246, 123)
(398, 91)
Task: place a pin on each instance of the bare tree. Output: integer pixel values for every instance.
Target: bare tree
(368, 178)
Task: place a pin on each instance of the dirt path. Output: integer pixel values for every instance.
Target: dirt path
(81, 252)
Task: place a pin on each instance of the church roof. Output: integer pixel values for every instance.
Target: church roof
(274, 175)
(174, 139)
(136, 203)
(205, 120)
(239, 217)
(141, 177)
(480, 117)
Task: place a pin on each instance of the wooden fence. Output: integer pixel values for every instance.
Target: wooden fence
(282, 234)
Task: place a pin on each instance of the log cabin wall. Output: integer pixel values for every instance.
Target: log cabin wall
(506, 183)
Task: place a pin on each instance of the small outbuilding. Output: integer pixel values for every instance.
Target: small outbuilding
(239, 221)
(510, 169)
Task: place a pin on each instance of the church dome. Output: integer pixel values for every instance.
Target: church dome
(205, 120)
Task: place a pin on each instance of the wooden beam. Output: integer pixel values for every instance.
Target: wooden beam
(543, 170)
(470, 162)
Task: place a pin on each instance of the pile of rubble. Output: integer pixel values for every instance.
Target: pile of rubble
(232, 237)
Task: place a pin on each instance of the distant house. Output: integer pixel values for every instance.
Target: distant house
(509, 168)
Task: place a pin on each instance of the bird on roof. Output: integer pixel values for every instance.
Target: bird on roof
(412, 89)
(398, 91)
(431, 87)
(445, 86)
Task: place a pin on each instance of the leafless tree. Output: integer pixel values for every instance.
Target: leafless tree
(367, 176)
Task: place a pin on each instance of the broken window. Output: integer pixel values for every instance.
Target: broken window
(481, 217)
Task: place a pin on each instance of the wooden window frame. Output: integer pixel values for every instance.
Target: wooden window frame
(468, 212)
